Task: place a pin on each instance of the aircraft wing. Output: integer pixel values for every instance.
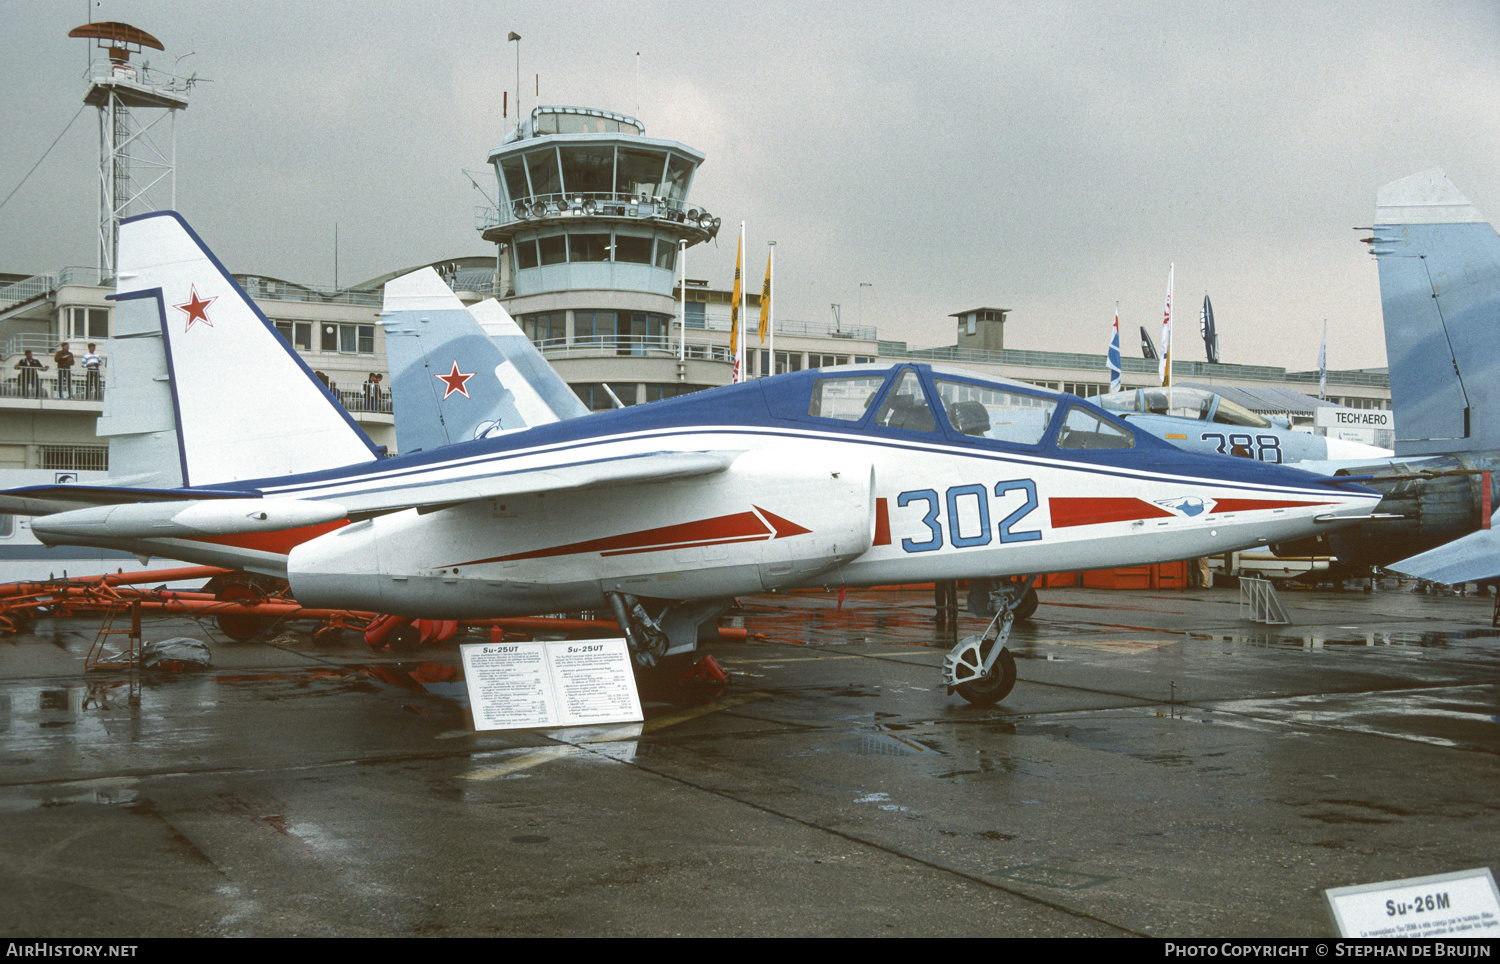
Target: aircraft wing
(432, 495)
(122, 514)
(36, 500)
(1474, 557)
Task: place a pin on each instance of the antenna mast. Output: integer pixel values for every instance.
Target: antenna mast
(130, 163)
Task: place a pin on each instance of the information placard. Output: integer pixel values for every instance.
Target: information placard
(572, 682)
(1461, 904)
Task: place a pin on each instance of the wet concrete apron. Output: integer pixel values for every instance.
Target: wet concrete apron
(1163, 767)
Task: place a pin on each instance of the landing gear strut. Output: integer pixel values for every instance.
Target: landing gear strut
(643, 634)
(980, 669)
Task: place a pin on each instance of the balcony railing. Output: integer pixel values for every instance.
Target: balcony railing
(359, 400)
(78, 387)
(540, 207)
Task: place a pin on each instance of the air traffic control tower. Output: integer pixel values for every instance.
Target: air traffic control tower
(593, 217)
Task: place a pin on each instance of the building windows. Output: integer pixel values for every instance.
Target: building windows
(298, 334)
(596, 397)
(1084, 389)
(546, 328)
(85, 323)
(347, 339)
(75, 458)
(657, 391)
(815, 360)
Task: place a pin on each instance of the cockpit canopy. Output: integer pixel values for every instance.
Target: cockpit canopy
(958, 404)
(1194, 403)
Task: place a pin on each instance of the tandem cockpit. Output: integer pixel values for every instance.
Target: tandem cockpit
(927, 402)
(1185, 402)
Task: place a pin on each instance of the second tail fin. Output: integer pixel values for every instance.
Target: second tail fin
(1439, 263)
(459, 374)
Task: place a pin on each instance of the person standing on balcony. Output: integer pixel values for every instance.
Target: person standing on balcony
(91, 365)
(64, 360)
(29, 380)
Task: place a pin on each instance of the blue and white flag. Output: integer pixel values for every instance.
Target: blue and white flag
(1114, 355)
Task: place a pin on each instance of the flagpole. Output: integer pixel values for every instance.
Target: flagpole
(1166, 334)
(682, 303)
(771, 311)
(739, 362)
(1323, 364)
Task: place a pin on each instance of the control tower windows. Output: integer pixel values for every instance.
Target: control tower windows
(554, 249)
(631, 249)
(638, 172)
(526, 254)
(666, 254)
(513, 176)
(594, 327)
(586, 170)
(679, 173)
(546, 328)
(561, 122)
(545, 178)
(588, 247)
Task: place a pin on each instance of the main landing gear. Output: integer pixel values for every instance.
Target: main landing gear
(980, 669)
(665, 642)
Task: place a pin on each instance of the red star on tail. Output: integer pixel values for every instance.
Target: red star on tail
(196, 309)
(455, 380)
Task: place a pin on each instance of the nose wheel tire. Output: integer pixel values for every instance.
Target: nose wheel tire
(993, 688)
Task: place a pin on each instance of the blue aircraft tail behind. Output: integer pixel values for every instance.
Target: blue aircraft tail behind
(463, 373)
(1439, 262)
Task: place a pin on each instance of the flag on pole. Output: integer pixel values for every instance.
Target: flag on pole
(765, 303)
(1323, 364)
(1114, 355)
(735, 348)
(1164, 365)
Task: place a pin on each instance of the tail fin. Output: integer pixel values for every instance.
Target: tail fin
(459, 374)
(1439, 265)
(246, 405)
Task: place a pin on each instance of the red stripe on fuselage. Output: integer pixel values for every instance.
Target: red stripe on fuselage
(882, 523)
(724, 529)
(1089, 511)
(281, 542)
(1250, 505)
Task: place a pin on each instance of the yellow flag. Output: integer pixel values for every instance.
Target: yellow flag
(734, 309)
(765, 303)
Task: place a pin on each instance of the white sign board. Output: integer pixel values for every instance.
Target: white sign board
(572, 682)
(1461, 904)
(1371, 418)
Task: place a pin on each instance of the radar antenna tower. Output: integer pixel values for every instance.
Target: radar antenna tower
(130, 161)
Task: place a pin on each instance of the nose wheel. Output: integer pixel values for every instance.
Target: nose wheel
(980, 669)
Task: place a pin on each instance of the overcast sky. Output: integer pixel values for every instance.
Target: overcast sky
(1050, 158)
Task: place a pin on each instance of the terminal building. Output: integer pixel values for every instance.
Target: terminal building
(594, 222)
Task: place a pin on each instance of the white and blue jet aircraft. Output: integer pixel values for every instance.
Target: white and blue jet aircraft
(855, 476)
(1201, 420)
